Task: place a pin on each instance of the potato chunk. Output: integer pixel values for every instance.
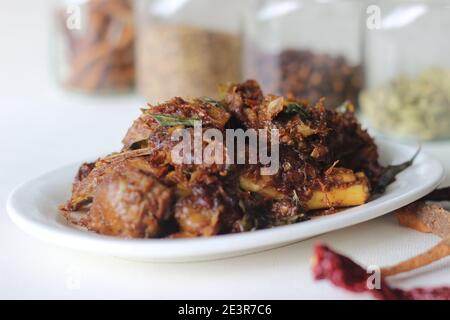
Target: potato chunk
(260, 185)
(342, 188)
(339, 188)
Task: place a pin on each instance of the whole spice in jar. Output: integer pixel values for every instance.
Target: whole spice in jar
(307, 75)
(100, 55)
(187, 61)
(417, 108)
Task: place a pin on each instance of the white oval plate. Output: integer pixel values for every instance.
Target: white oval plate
(33, 207)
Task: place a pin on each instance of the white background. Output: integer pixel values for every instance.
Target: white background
(42, 127)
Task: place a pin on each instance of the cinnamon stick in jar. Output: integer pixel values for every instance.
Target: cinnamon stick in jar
(98, 55)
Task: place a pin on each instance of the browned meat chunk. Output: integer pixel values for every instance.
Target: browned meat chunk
(129, 202)
(87, 181)
(210, 112)
(243, 100)
(206, 212)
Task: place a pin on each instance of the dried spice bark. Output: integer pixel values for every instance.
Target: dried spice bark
(438, 252)
(425, 217)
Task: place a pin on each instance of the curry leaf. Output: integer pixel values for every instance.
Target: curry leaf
(389, 173)
(296, 108)
(211, 101)
(171, 121)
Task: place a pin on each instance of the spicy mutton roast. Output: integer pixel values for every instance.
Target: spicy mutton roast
(325, 161)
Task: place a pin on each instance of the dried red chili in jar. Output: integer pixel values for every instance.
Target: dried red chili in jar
(307, 49)
(307, 75)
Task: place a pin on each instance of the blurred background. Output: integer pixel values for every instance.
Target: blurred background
(74, 73)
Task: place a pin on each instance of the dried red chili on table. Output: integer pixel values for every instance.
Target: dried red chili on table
(346, 274)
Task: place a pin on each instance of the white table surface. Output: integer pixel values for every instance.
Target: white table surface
(43, 127)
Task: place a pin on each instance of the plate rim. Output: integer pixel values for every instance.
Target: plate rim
(165, 250)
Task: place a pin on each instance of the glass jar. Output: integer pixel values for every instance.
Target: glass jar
(187, 48)
(306, 48)
(407, 55)
(95, 44)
